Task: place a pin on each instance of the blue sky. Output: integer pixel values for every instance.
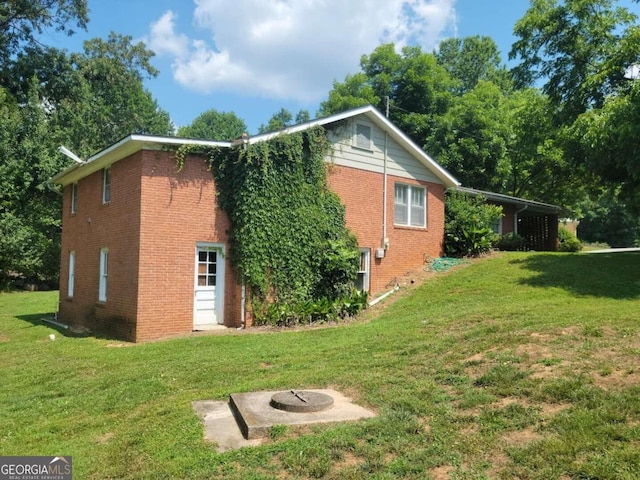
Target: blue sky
(254, 57)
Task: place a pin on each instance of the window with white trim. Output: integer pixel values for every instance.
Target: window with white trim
(74, 197)
(363, 136)
(362, 282)
(104, 270)
(106, 185)
(72, 273)
(410, 205)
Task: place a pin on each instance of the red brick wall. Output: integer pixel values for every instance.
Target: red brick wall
(362, 193)
(508, 212)
(156, 217)
(179, 209)
(94, 226)
(151, 226)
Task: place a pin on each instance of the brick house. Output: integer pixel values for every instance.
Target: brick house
(144, 244)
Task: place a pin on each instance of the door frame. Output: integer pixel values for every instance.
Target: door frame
(220, 280)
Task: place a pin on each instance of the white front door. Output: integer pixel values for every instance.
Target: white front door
(208, 301)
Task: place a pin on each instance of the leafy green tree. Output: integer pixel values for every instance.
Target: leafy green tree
(21, 21)
(29, 210)
(471, 59)
(472, 138)
(283, 119)
(609, 140)
(214, 125)
(302, 116)
(355, 91)
(538, 169)
(582, 50)
(49, 98)
(411, 82)
(579, 49)
(608, 220)
(419, 89)
(278, 121)
(109, 100)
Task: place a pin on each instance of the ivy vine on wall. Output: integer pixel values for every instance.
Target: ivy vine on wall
(288, 236)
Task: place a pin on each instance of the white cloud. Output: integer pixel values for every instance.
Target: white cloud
(163, 39)
(292, 49)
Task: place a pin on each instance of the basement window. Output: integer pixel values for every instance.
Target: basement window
(362, 282)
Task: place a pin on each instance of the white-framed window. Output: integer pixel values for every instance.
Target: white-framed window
(104, 270)
(410, 205)
(363, 136)
(362, 282)
(72, 273)
(106, 185)
(74, 197)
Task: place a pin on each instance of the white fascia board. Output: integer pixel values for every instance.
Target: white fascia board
(310, 124)
(383, 123)
(123, 148)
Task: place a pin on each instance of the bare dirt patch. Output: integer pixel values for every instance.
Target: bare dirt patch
(520, 438)
(442, 472)
(105, 438)
(617, 379)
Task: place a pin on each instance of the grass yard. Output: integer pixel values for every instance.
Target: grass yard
(515, 366)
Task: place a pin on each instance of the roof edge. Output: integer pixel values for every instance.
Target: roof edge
(118, 150)
(440, 172)
(509, 199)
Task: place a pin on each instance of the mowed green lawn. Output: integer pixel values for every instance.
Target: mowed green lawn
(513, 366)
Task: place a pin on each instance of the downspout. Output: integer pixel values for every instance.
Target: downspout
(243, 298)
(515, 216)
(385, 240)
(243, 289)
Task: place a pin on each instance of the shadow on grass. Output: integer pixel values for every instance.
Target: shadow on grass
(45, 319)
(610, 275)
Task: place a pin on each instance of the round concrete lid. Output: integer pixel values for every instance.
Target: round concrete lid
(301, 401)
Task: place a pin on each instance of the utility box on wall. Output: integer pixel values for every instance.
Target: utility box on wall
(379, 252)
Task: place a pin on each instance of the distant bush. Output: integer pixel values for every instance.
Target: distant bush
(567, 241)
(468, 223)
(511, 242)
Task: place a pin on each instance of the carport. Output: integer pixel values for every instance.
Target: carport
(537, 222)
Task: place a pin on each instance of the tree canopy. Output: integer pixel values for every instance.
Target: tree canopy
(214, 125)
(583, 53)
(48, 98)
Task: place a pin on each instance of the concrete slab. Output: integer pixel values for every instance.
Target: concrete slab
(220, 425)
(247, 418)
